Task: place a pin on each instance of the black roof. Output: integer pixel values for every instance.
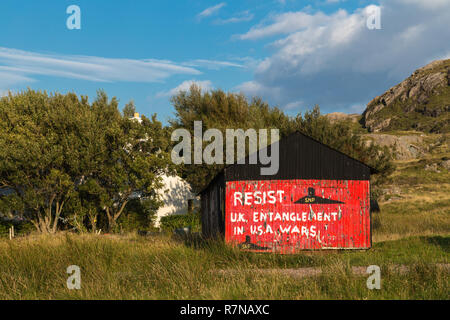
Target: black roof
(302, 157)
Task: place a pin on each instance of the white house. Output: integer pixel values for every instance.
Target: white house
(175, 193)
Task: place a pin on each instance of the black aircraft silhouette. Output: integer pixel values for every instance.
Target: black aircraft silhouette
(311, 198)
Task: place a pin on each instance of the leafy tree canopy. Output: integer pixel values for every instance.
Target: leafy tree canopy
(66, 158)
(129, 109)
(220, 110)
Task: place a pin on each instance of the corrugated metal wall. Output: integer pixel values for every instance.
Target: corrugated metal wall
(290, 215)
(213, 208)
(304, 164)
(301, 157)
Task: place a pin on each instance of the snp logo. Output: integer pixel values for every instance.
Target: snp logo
(74, 20)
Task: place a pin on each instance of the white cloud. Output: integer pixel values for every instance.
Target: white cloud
(427, 4)
(211, 10)
(10, 79)
(205, 85)
(18, 67)
(90, 68)
(293, 105)
(254, 88)
(240, 17)
(285, 23)
(212, 64)
(334, 60)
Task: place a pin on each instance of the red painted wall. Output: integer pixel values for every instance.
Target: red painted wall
(290, 215)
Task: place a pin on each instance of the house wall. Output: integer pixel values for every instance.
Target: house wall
(175, 194)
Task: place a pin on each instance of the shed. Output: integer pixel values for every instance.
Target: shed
(318, 199)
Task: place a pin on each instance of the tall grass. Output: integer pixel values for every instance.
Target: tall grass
(411, 245)
(132, 267)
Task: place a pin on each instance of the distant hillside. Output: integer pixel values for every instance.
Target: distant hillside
(421, 102)
(340, 116)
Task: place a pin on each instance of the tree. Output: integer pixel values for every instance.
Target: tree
(43, 152)
(61, 157)
(133, 162)
(220, 110)
(341, 136)
(129, 109)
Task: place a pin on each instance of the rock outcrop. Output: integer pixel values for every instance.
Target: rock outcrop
(404, 147)
(421, 102)
(340, 116)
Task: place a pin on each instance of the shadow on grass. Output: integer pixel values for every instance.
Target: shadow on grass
(226, 254)
(198, 242)
(443, 242)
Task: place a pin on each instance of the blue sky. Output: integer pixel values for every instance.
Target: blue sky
(292, 53)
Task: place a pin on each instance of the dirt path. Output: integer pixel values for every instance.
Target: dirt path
(309, 272)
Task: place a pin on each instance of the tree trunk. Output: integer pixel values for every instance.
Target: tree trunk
(59, 208)
(42, 224)
(93, 220)
(113, 216)
(46, 223)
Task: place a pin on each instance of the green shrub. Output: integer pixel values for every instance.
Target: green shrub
(4, 228)
(20, 228)
(138, 215)
(170, 223)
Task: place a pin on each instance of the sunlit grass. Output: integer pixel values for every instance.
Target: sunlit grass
(131, 267)
(412, 233)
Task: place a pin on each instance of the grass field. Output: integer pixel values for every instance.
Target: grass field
(133, 267)
(411, 245)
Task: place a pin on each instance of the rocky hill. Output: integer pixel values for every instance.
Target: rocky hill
(340, 116)
(421, 102)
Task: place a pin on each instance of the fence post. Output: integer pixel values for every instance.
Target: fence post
(11, 232)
